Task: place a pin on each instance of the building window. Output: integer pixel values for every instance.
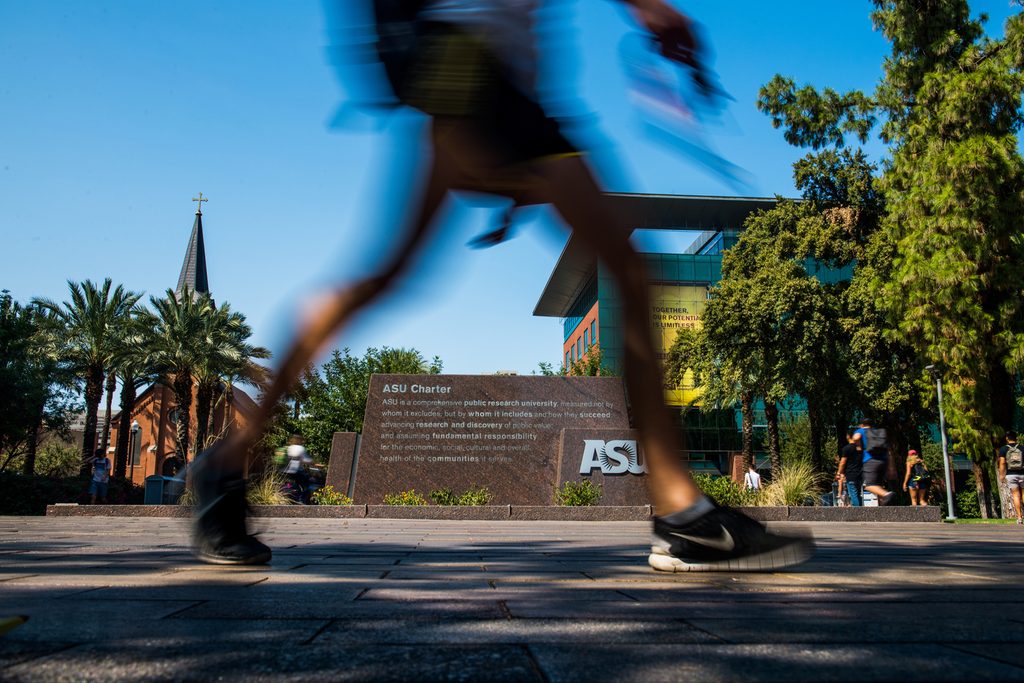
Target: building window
(567, 354)
(593, 331)
(579, 347)
(136, 449)
(586, 340)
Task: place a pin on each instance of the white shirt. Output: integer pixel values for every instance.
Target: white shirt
(752, 480)
(297, 457)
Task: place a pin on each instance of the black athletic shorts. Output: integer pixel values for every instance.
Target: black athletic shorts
(452, 75)
(874, 472)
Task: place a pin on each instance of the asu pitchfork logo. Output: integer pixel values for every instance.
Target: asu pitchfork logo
(611, 457)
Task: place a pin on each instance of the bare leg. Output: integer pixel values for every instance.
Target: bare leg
(340, 307)
(573, 191)
(1016, 494)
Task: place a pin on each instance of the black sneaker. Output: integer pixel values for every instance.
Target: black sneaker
(219, 533)
(724, 539)
(887, 499)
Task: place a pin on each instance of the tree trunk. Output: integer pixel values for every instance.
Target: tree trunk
(983, 486)
(29, 466)
(204, 402)
(124, 427)
(841, 429)
(183, 407)
(771, 413)
(111, 386)
(93, 395)
(747, 407)
(814, 421)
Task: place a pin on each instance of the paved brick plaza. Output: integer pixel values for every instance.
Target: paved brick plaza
(423, 600)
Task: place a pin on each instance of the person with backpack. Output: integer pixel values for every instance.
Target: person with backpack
(917, 479)
(873, 443)
(1011, 470)
(849, 474)
(470, 67)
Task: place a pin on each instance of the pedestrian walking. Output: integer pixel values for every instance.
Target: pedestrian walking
(917, 479)
(1010, 463)
(874, 444)
(470, 66)
(100, 477)
(752, 480)
(851, 461)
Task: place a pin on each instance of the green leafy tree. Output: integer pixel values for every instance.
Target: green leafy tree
(950, 98)
(334, 395)
(90, 321)
(36, 384)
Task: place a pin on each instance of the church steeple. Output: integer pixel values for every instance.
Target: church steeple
(193, 270)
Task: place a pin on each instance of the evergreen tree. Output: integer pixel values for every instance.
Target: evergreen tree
(954, 185)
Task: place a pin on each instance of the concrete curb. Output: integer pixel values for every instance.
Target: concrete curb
(596, 513)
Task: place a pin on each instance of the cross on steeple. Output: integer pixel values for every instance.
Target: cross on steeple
(199, 203)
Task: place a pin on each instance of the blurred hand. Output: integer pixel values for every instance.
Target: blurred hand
(672, 28)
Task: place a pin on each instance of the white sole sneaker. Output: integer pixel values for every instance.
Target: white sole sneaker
(794, 553)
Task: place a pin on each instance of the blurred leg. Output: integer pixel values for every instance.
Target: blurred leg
(341, 305)
(571, 188)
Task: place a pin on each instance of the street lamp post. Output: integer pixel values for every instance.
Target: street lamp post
(945, 447)
(132, 444)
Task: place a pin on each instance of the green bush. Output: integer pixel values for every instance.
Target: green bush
(328, 496)
(409, 497)
(578, 493)
(21, 495)
(723, 490)
(444, 497)
(475, 496)
(472, 496)
(967, 505)
(58, 459)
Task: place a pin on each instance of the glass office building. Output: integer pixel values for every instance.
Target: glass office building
(580, 291)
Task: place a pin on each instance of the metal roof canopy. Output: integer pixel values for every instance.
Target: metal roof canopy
(577, 264)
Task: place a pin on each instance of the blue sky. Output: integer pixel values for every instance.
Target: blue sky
(113, 115)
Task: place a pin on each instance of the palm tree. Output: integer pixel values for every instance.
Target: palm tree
(133, 363)
(225, 358)
(91, 319)
(176, 351)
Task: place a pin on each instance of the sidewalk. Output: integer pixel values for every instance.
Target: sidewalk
(426, 600)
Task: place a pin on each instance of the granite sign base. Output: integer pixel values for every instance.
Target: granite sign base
(429, 432)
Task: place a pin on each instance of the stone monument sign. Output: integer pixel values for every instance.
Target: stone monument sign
(427, 432)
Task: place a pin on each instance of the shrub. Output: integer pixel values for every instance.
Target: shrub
(578, 493)
(475, 496)
(966, 501)
(328, 496)
(444, 497)
(58, 459)
(796, 484)
(723, 490)
(409, 497)
(268, 489)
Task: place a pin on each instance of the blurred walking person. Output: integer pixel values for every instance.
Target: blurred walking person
(470, 66)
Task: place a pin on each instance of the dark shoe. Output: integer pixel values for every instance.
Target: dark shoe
(219, 533)
(887, 499)
(724, 540)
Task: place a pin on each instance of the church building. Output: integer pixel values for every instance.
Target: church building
(151, 439)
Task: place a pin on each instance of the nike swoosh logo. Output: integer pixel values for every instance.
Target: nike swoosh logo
(723, 542)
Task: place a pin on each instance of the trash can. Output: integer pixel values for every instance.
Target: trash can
(163, 490)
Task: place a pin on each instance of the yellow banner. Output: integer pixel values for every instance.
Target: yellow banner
(675, 307)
